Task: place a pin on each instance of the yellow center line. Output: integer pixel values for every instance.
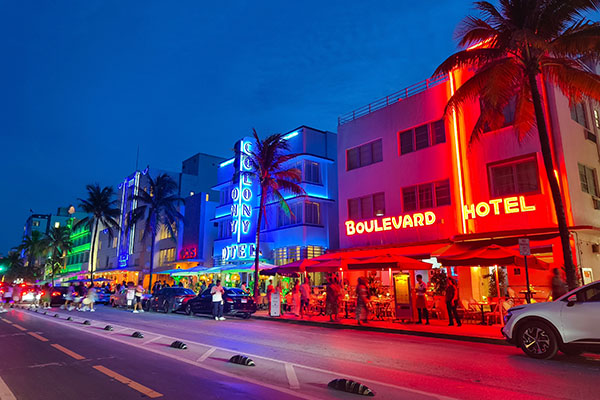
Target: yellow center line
(38, 337)
(5, 320)
(132, 384)
(68, 352)
(19, 327)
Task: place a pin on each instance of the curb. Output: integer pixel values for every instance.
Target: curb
(450, 336)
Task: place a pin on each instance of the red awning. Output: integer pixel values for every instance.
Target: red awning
(489, 256)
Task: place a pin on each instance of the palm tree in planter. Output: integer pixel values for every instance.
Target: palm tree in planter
(520, 44)
(35, 247)
(158, 209)
(275, 179)
(59, 245)
(102, 209)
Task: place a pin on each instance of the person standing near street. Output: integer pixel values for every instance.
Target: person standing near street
(421, 302)
(559, 287)
(245, 288)
(362, 301)
(202, 287)
(91, 297)
(69, 297)
(304, 297)
(332, 297)
(217, 293)
(139, 291)
(46, 296)
(270, 291)
(452, 302)
(296, 299)
(7, 297)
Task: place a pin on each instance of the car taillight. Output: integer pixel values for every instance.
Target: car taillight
(229, 300)
(55, 293)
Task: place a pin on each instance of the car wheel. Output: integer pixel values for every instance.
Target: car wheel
(247, 316)
(166, 309)
(188, 310)
(537, 340)
(146, 306)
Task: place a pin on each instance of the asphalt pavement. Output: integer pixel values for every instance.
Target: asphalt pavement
(43, 357)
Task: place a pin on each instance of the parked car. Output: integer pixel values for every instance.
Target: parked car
(570, 324)
(122, 298)
(169, 299)
(26, 293)
(57, 295)
(235, 303)
(103, 296)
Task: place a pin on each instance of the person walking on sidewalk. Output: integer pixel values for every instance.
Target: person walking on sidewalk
(421, 302)
(362, 301)
(296, 299)
(304, 297)
(559, 287)
(452, 302)
(270, 291)
(139, 291)
(332, 295)
(217, 292)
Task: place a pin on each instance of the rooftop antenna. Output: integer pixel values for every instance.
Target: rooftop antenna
(137, 157)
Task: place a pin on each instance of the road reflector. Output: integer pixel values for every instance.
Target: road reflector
(108, 328)
(242, 360)
(138, 335)
(350, 386)
(179, 345)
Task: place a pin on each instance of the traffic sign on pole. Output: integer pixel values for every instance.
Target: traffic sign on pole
(524, 248)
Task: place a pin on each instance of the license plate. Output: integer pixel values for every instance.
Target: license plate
(244, 300)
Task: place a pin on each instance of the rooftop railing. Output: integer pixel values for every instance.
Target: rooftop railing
(392, 98)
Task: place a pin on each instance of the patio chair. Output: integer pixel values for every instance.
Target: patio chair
(468, 311)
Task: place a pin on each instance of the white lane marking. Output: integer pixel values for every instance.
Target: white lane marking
(154, 339)
(206, 354)
(291, 375)
(315, 369)
(5, 393)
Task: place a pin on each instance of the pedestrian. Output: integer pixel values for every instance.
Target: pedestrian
(165, 284)
(69, 298)
(202, 287)
(245, 288)
(296, 299)
(91, 298)
(452, 302)
(7, 298)
(270, 291)
(559, 287)
(139, 291)
(217, 292)
(181, 283)
(304, 297)
(421, 302)
(332, 298)
(362, 301)
(155, 287)
(46, 296)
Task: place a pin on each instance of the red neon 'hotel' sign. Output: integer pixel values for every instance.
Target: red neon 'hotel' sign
(507, 205)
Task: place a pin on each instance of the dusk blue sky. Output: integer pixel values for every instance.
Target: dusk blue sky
(83, 83)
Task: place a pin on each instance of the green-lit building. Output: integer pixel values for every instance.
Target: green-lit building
(78, 258)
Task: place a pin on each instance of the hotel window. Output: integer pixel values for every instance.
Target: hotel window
(425, 196)
(589, 180)
(514, 177)
(293, 217)
(312, 172)
(224, 229)
(366, 207)
(367, 154)
(578, 114)
(421, 137)
(225, 195)
(167, 255)
(36, 223)
(312, 213)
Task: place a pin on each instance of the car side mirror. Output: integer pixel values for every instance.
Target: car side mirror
(571, 300)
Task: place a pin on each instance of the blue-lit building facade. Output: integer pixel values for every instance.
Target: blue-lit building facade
(308, 231)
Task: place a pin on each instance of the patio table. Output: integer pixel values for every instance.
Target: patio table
(482, 304)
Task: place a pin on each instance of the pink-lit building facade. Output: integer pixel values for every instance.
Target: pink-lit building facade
(410, 180)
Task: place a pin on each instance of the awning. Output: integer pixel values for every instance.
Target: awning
(190, 271)
(490, 256)
(388, 261)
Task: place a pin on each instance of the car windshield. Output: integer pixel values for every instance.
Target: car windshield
(182, 291)
(235, 292)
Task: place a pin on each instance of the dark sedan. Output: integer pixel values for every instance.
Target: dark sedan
(235, 303)
(169, 299)
(57, 295)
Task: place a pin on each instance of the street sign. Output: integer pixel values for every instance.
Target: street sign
(524, 248)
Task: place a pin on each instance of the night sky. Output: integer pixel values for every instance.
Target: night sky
(83, 83)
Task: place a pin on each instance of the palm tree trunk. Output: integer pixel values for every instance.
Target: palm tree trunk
(257, 248)
(92, 250)
(151, 262)
(563, 229)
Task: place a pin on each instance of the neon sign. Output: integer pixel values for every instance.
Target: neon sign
(506, 205)
(187, 253)
(390, 223)
(239, 251)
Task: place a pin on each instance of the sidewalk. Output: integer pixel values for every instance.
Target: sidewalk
(438, 329)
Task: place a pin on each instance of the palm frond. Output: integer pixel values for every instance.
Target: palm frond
(571, 79)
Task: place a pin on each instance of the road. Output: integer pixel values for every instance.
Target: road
(47, 357)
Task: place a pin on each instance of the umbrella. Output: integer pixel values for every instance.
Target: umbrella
(398, 261)
(490, 256)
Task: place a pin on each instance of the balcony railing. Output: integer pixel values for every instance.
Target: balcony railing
(392, 98)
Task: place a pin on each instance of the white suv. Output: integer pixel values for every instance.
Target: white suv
(570, 324)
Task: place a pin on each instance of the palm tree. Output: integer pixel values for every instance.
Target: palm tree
(102, 209)
(15, 266)
(515, 47)
(59, 245)
(267, 166)
(158, 208)
(34, 246)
